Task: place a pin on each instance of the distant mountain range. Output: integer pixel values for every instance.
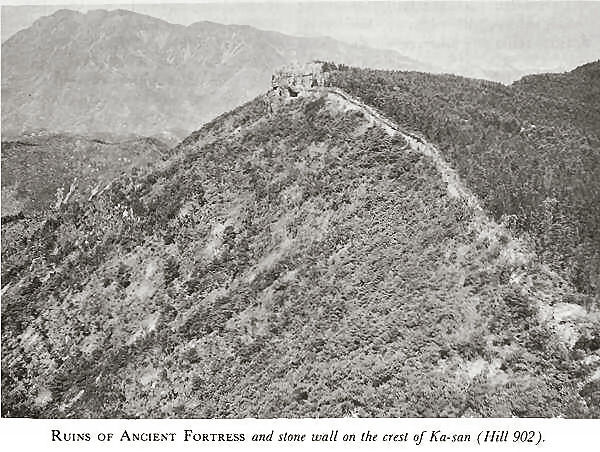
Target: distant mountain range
(124, 72)
(501, 41)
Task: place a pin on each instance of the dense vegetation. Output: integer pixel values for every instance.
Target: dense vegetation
(39, 167)
(530, 151)
(301, 264)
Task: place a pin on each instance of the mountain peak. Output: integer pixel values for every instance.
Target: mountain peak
(58, 16)
(120, 71)
(65, 13)
(336, 235)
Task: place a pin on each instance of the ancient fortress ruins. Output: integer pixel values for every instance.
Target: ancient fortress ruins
(294, 80)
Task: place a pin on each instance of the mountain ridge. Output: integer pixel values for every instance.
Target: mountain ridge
(331, 273)
(122, 72)
(529, 150)
(352, 252)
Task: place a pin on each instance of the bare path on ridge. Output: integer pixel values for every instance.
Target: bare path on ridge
(563, 317)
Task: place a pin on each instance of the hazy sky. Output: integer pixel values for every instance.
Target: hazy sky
(472, 38)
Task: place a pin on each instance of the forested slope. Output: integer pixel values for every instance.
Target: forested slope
(299, 264)
(39, 168)
(530, 151)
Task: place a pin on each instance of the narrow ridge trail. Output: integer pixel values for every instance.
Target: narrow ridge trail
(456, 188)
(564, 318)
(482, 223)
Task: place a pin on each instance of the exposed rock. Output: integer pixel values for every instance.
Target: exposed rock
(295, 80)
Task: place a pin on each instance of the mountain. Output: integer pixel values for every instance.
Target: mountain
(530, 151)
(122, 72)
(317, 260)
(39, 166)
(501, 41)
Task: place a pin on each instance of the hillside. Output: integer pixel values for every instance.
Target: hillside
(38, 166)
(122, 72)
(305, 263)
(530, 151)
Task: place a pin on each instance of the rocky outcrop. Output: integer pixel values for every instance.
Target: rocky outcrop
(294, 80)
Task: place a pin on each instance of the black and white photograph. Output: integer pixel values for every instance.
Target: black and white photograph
(318, 209)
